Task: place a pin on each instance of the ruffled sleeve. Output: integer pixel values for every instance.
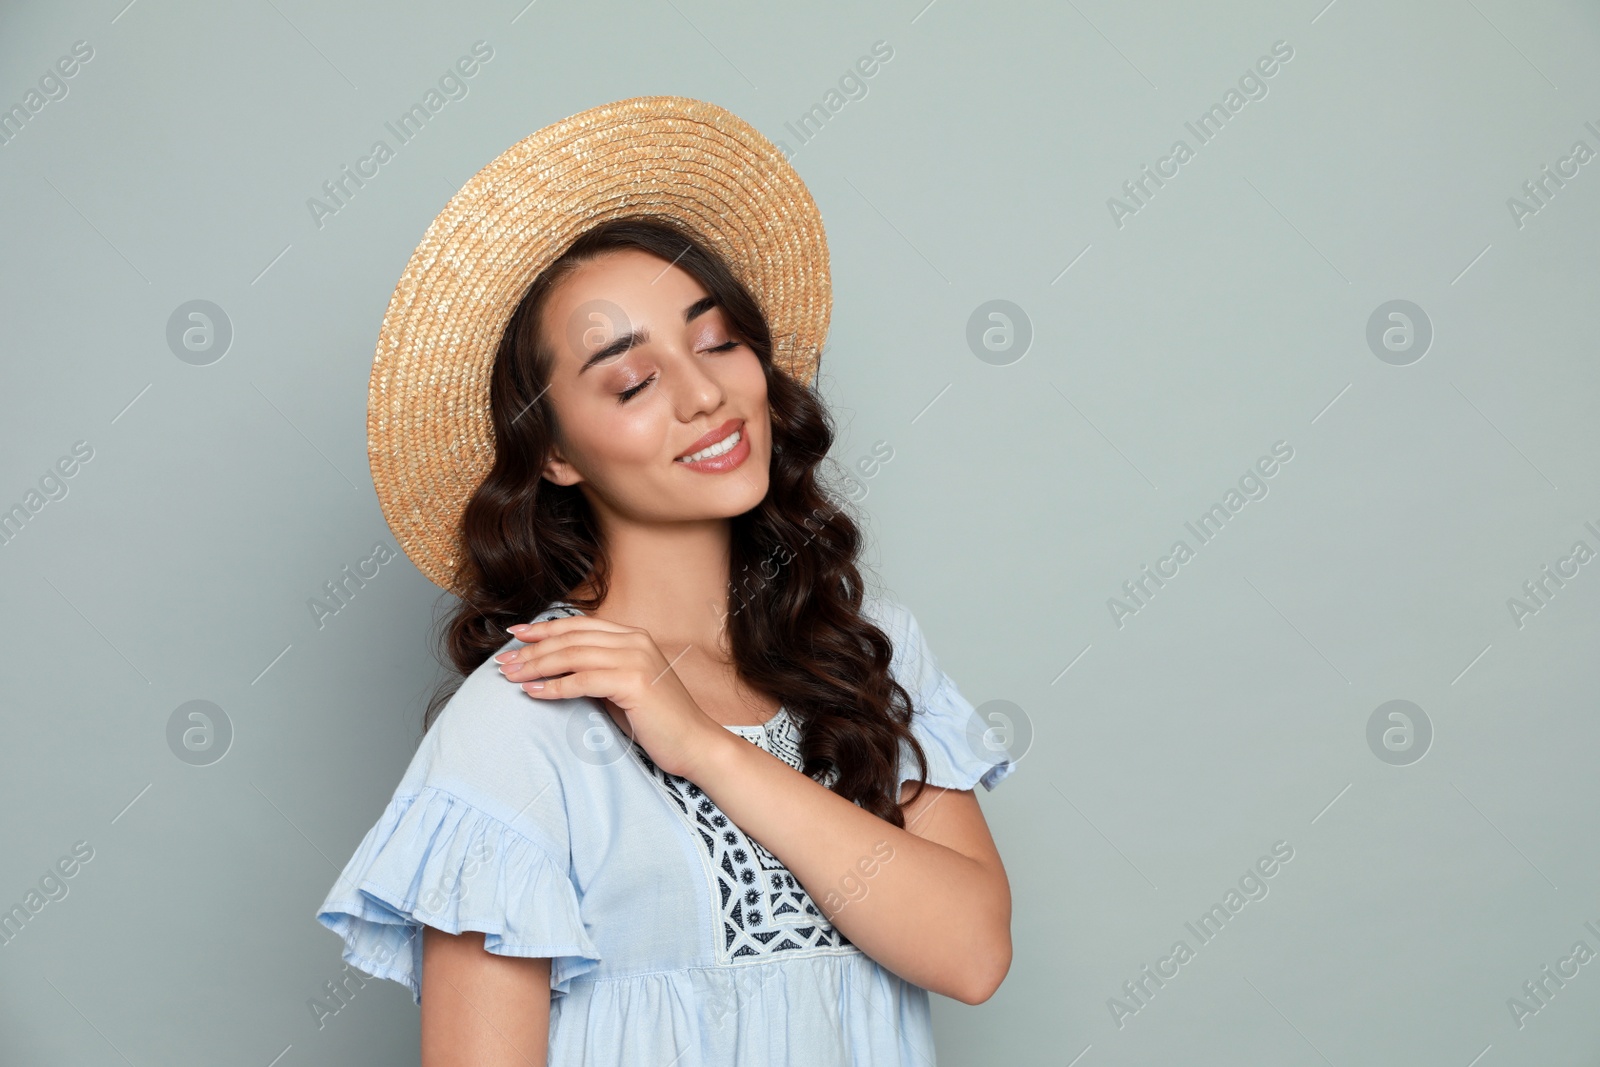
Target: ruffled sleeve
(962, 749)
(433, 859)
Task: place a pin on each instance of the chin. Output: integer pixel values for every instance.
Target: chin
(747, 496)
(752, 497)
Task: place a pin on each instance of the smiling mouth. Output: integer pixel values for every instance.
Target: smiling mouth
(715, 443)
(722, 447)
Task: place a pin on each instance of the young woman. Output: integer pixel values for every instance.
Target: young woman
(712, 802)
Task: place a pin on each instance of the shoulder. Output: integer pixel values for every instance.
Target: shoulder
(881, 607)
(489, 719)
(961, 749)
(912, 661)
(494, 746)
(890, 616)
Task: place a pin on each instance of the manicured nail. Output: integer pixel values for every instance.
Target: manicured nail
(533, 685)
(505, 657)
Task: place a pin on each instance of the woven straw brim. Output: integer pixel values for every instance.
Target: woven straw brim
(430, 441)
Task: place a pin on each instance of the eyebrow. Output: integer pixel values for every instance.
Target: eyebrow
(641, 336)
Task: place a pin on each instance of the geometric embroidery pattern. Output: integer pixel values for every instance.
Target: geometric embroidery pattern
(765, 912)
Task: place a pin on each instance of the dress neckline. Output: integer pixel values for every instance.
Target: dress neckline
(744, 729)
(759, 727)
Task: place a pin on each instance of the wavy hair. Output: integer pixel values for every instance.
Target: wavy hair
(796, 629)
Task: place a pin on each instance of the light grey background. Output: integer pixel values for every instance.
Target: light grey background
(1168, 354)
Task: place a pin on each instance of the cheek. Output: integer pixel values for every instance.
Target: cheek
(748, 381)
(607, 433)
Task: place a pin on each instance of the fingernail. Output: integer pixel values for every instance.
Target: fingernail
(534, 685)
(505, 657)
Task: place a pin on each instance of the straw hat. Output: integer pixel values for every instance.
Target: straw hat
(429, 437)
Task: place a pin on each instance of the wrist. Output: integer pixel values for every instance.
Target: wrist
(720, 750)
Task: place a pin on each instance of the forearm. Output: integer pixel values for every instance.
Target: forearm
(926, 912)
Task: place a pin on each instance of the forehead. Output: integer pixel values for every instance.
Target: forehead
(616, 293)
(632, 278)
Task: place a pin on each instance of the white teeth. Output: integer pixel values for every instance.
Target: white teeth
(724, 445)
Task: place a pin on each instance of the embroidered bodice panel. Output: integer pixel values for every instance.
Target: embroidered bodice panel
(765, 911)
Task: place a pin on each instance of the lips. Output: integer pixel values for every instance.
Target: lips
(712, 438)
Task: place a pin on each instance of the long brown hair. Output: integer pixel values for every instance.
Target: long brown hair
(795, 625)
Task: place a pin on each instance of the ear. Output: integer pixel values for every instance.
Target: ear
(556, 469)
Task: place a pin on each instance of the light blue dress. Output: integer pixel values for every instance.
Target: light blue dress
(673, 936)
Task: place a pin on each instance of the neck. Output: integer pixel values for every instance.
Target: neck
(668, 578)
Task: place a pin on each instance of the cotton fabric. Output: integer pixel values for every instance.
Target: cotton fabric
(673, 936)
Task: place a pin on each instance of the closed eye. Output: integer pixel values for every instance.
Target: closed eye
(628, 394)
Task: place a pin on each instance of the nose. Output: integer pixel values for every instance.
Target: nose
(696, 390)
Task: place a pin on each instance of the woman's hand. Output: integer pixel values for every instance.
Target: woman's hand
(582, 656)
